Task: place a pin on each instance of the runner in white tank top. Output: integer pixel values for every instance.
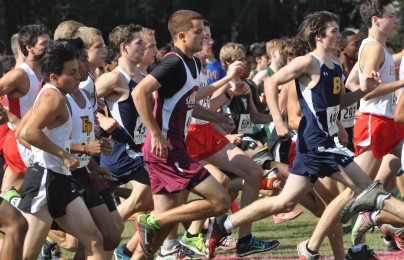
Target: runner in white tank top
(48, 192)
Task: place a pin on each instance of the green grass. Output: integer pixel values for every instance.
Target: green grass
(289, 234)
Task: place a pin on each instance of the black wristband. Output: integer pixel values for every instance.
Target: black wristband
(227, 95)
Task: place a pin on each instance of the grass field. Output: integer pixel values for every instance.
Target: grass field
(289, 234)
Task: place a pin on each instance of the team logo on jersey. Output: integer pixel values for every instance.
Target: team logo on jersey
(86, 125)
(337, 85)
(245, 103)
(190, 101)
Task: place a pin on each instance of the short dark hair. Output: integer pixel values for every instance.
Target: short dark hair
(344, 38)
(315, 24)
(77, 43)
(122, 34)
(55, 55)
(258, 49)
(206, 23)
(181, 21)
(6, 64)
(29, 35)
(370, 8)
(111, 56)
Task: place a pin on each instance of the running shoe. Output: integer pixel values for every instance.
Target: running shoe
(304, 254)
(396, 233)
(12, 196)
(178, 253)
(270, 178)
(228, 244)
(147, 234)
(217, 233)
(165, 254)
(195, 244)
(119, 255)
(48, 252)
(361, 252)
(365, 201)
(390, 243)
(362, 224)
(255, 245)
(281, 217)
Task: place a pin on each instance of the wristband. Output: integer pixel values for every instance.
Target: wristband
(227, 95)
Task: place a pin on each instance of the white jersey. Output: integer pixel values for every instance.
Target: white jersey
(401, 75)
(381, 106)
(89, 86)
(83, 126)
(205, 102)
(60, 136)
(20, 106)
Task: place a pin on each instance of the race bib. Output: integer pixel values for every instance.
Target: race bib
(244, 125)
(84, 159)
(67, 145)
(348, 116)
(140, 131)
(332, 116)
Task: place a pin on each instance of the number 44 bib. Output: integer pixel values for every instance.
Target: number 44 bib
(332, 116)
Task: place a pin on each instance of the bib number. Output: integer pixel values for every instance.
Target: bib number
(140, 131)
(244, 125)
(332, 116)
(348, 116)
(84, 159)
(67, 145)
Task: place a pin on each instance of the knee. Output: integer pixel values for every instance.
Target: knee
(255, 174)
(21, 225)
(16, 228)
(224, 181)
(70, 244)
(286, 206)
(318, 211)
(93, 239)
(222, 204)
(112, 239)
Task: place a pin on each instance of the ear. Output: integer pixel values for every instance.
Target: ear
(181, 36)
(122, 47)
(28, 48)
(53, 78)
(289, 59)
(257, 59)
(318, 37)
(374, 20)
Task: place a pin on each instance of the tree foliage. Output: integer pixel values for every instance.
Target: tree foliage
(243, 21)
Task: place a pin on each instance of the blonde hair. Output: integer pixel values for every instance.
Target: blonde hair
(67, 29)
(231, 52)
(14, 44)
(147, 33)
(86, 34)
(274, 45)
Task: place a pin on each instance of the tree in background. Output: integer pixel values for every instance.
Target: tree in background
(243, 21)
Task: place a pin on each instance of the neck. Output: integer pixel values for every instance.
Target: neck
(378, 36)
(143, 66)
(323, 54)
(34, 66)
(92, 71)
(184, 49)
(347, 64)
(128, 66)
